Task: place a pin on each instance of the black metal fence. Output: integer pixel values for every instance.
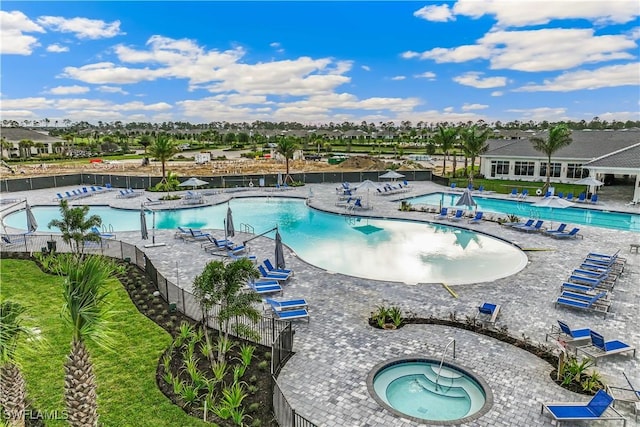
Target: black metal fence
(271, 332)
(227, 181)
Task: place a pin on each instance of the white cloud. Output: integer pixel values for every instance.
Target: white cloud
(474, 79)
(13, 39)
(537, 50)
(112, 89)
(471, 107)
(610, 76)
(365, 67)
(82, 28)
(434, 13)
(108, 72)
(275, 45)
(56, 48)
(68, 90)
(520, 13)
(409, 54)
(32, 103)
(497, 93)
(448, 109)
(397, 78)
(542, 113)
(426, 75)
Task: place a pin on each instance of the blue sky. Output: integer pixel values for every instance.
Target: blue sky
(320, 62)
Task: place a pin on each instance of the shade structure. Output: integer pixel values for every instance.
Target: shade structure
(279, 255)
(143, 224)
(589, 182)
(193, 182)
(367, 185)
(32, 224)
(391, 175)
(228, 227)
(553, 202)
(466, 199)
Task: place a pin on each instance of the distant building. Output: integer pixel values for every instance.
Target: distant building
(14, 135)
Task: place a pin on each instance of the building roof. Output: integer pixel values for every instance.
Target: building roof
(586, 146)
(18, 134)
(627, 158)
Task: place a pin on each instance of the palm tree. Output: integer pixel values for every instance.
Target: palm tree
(13, 390)
(474, 144)
(445, 138)
(222, 285)
(163, 149)
(559, 137)
(75, 226)
(87, 314)
(287, 147)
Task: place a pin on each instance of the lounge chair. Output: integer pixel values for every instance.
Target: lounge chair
(236, 250)
(274, 276)
(457, 217)
(581, 198)
(102, 234)
(453, 186)
(197, 235)
(443, 214)
(514, 193)
(582, 288)
(272, 269)
(529, 223)
(524, 194)
(292, 314)
(569, 197)
(590, 304)
(532, 229)
(601, 348)
(214, 243)
(265, 288)
(292, 304)
(604, 257)
(488, 313)
(628, 394)
(570, 235)
(153, 202)
(591, 281)
(239, 256)
(564, 333)
(560, 229)
(594, 199)
(603, 297)
(593, 410)
(476, 219)
(560, 195)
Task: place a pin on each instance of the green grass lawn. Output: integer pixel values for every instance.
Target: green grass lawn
(127, 391)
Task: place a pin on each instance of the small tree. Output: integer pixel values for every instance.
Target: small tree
(75, 226)
(474, 144)
(13, 390)
(163, 149)
(223, 286)
(287, 147)
(559, 137)
(445, 138)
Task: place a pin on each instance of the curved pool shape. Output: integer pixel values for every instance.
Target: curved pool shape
(421, 390)
(392, 250)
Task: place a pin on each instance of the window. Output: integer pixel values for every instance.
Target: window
(524, 168)
(555, 170)
(499, 167)
(574, 170)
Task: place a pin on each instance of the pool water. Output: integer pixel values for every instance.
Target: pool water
(400, 251)
(525, 209)
(414, 388)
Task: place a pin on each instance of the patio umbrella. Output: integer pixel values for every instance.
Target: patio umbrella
(553, 202)
(279, 256)
(228, 227)
(193, 182)
(32, 224)
(367, 185)
(589, 182)
(466, 199)
(143, 224)
(391, 175)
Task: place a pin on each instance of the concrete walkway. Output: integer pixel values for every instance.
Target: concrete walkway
(325, 381)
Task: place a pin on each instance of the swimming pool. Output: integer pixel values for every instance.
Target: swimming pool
(378, 249)
(524, 209)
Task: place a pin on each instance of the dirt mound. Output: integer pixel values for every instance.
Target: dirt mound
(364, 163)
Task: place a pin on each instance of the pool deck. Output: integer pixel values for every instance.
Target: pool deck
(325, 381)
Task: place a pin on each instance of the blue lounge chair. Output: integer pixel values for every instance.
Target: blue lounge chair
(594, 199)
(601, 348)
(197, 235)
(560, 195)
(265, 288)
(104, 235)
(595, 282)
(274, 276)
(560, 229)
(488, 313)
(581, 198)
(579, 287)
(524, 194)
(570, 197)
(532, 229)
(564, 333)
(476, 219)
(236, 250)
(236, 257)
(605, 257)
(606, 275)
(514, 193)
(292, 314)
(570, 235)
(443, 214)
(457, 217)
(453, 186)
(292, 304)
(602, 300)
(590, 304)
(272, 269)
(594, 410)
(481, 189)
(529, 223)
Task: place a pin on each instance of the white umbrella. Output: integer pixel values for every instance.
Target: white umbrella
(553, 202)
(391, 175)
(367, 185)
(589, 182)
(32, 224)
(466, 199)
(193, 182)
